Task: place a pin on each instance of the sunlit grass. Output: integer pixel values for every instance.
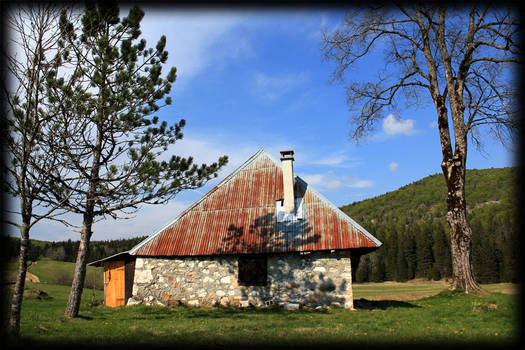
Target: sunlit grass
(445, 317)
(417, 289)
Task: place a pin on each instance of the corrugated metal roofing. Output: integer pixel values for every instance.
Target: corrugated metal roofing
(238, 216)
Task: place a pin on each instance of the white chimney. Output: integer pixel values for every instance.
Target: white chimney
(288, 181)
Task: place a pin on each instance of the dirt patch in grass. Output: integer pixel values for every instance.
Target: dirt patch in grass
(509, 291)
(32, 278)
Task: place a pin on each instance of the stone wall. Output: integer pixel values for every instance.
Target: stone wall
(318, 279)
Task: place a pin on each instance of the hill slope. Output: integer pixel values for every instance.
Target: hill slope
(412, 226)
(424, 199)
(409, 221)
(67, 250)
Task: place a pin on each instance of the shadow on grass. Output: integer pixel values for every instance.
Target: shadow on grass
(381, 304)
(87, 318)
(188, 312)
(238, 313)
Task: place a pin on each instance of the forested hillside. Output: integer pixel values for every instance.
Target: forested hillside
(67, 250)
(411, 224)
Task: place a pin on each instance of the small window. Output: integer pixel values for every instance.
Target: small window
(253, 271)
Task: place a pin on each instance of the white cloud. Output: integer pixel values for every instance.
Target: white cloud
(393, 166)
(148, 220)
(207, 149)
(273, 87)
(394, 126)
(339, 160)
(356, 183)
(196, 39)
(332, 160)
(330, 181)
(204, 149)
(433, 125)
(322, 181)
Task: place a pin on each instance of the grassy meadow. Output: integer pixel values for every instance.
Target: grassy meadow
(416, 312)
(58, 272)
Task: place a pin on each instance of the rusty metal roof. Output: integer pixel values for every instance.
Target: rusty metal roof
(238, 216)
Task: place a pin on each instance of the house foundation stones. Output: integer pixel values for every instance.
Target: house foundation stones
(318, 279)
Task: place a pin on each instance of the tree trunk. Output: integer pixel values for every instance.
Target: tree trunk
(18, 294)
(460, 232)
(77, 286)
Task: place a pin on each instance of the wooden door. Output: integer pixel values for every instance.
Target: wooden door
(114, 286)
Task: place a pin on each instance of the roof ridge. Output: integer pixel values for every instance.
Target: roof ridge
(261, 152)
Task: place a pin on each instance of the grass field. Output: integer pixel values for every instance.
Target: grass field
(58, 272)
(417, 289)
(393, 313)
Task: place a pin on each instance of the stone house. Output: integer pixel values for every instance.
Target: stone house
(262, 236)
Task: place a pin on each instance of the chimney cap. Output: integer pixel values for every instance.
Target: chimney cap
(287, 155)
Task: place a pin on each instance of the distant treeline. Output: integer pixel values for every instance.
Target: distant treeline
(412, 225)
(67, 250)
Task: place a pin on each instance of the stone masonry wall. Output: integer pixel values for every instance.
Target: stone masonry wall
(318, 279)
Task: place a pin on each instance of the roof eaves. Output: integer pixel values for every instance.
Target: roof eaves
(94, 263)
(338, 211)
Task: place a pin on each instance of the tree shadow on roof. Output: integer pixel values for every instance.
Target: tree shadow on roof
(266, 235)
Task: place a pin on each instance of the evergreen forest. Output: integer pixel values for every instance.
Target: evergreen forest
(411, 224)
(67, 250)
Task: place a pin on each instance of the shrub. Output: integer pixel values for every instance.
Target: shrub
(62, 278)
(94, 279)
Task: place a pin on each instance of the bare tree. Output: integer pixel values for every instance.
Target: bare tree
(104, 131)
(27, 169)
(460, 57)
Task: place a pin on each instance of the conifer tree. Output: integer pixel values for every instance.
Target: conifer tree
(106, 131)
(363, 271)
(391, 252)
(424, 256)
(409, 252)
(441, 250)
(401, 263)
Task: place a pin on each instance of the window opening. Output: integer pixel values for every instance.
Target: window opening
(253, 271)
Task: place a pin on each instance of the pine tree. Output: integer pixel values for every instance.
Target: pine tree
(484, 257)
(377, 271)
(510, 250)
(68, 249)
(401, 263)
(363, 271)
(441, 250)
(106, 132)
(410, 253)
(391, 263)
(424, 257)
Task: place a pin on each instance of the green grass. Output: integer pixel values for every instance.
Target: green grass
(58, 272)
(445, 317)
(416, 289)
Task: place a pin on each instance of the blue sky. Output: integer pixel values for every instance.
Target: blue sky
(251, 79)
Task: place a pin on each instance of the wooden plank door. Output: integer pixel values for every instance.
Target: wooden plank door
(114, 283)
